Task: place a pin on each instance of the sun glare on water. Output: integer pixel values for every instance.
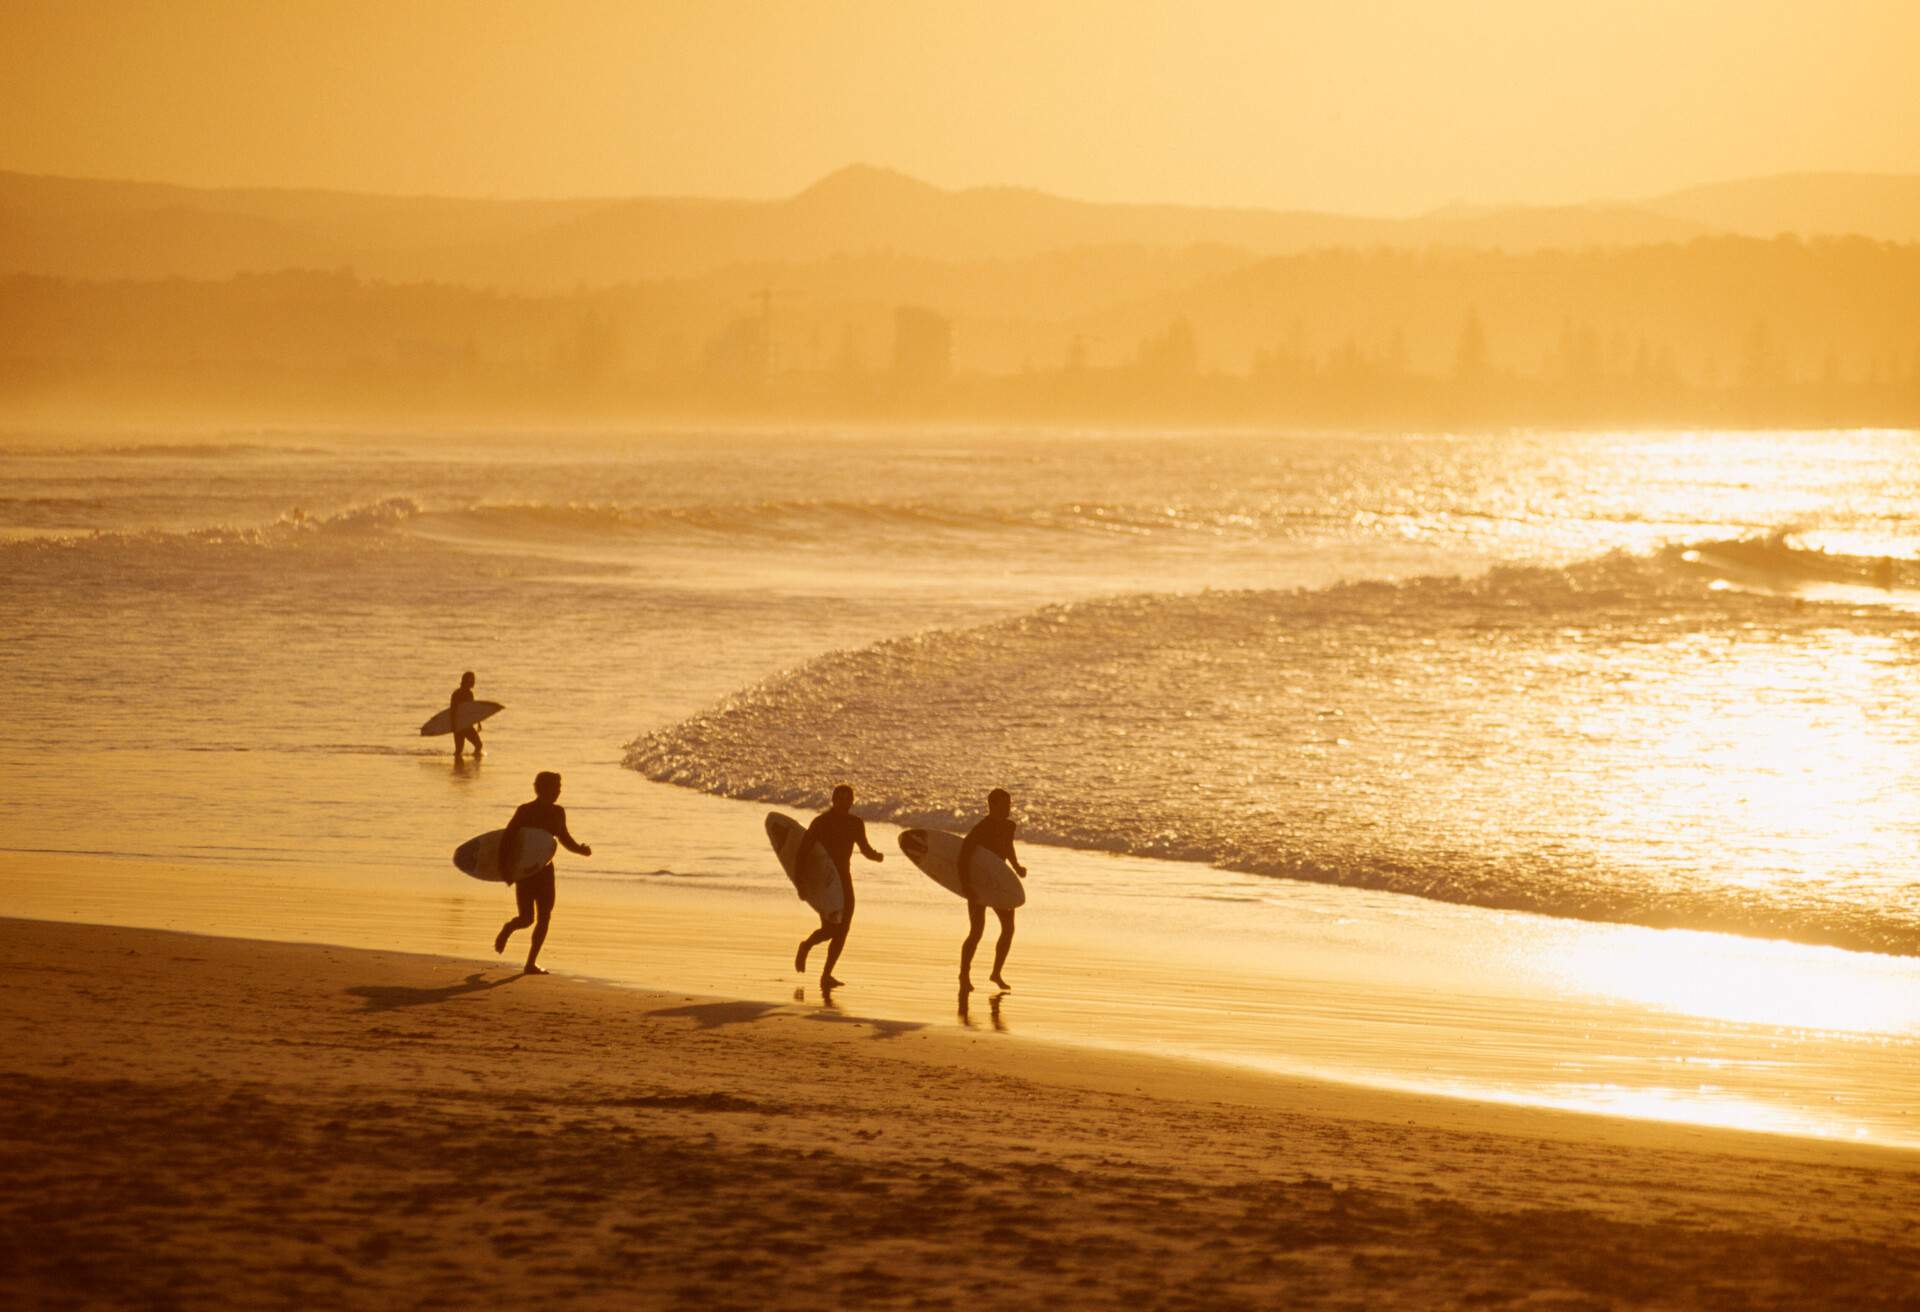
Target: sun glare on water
(1750, 981)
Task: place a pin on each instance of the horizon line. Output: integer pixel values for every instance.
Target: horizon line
(886, 170)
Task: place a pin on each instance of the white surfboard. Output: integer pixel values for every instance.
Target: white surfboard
(938, 855)
(471, 713)
(819, 886)
(479, 856)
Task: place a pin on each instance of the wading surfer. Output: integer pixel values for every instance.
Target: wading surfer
(838, 831)
(533, 892)
(462, 696)
(995, 834)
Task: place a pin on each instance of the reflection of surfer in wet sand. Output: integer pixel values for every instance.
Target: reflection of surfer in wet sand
(462, 696)
(533, 892)
(838, 831)
(995, 834)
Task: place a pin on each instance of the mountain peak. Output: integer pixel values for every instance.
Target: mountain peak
(868, 183)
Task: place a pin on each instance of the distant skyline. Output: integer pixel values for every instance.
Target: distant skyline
(1374, 108)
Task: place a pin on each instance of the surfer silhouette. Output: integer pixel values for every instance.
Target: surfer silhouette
(995, 834)
(838, 831)
(461, 697)
(533, 893)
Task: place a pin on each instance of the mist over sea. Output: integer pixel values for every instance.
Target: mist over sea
(1657, 679)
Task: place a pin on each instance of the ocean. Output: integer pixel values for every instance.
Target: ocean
(1564, 687)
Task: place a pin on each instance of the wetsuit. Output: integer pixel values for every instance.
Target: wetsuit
(995, 834)
(534, 891)
(461, 696)
(837, 833)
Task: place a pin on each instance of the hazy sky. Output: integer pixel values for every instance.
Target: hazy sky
(1378, 106)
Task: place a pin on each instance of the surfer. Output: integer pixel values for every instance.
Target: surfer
(838, 831)
(995, 833)
(461, 697)
(534, 892)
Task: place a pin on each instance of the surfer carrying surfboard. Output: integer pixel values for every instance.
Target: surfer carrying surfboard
(995, 834)
(838, 831)
(467, 733)
(533, 892)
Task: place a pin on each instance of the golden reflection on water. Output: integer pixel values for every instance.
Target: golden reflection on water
(1749, 981)
(1777, 763)
(1703, 1105)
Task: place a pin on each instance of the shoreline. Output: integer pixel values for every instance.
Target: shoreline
(1369, 992)
(208, 1121)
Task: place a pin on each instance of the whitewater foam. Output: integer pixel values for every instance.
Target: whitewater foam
(1618, 740)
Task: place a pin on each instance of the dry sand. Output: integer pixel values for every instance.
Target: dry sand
(195, 1122)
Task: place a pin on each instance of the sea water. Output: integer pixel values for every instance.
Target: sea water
(1525, 697)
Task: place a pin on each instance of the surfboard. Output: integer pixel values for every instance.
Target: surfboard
(938, 856)
(479, 856)
(819, 885)
(470, 714)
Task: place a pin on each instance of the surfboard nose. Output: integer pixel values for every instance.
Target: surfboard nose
(914, 843)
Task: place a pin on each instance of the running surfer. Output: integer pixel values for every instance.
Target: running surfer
(838, 831)
(463, 696)
(533, 892)
(995, 834)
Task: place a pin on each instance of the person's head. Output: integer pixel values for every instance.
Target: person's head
(466, 680)
(546, 785)
(843, 797)
(999, 804)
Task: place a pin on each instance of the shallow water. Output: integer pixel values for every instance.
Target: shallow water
(1659, 680)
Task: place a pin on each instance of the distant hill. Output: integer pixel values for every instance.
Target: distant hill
(98, 229)
(1882, 206)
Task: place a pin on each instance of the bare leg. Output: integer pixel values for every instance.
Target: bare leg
(835, 945)
(542, 895)
(539, 937)
(808, 944)
(523, 899)
(1001, 945)
(976, 925)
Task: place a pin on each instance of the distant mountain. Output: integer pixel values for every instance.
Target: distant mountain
(99, 229)
(1883, 206)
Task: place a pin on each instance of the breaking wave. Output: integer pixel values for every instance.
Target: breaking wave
(1625, 739)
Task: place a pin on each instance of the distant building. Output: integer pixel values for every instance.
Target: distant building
(922, 345)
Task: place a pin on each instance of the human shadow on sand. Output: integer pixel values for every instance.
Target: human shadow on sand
(712, 1015)
(882, 1029)
(387, 997)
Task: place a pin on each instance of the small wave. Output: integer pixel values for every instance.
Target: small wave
(1616, 740)
(170, 451)
(294, 528)
(1779, 561)
(802, 523)
(803, 520)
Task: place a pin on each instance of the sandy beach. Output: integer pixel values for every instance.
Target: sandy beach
(197, 1122)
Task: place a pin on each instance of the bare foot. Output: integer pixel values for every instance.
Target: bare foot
(500, 939)
(966, 985)
(532, 969)
(1001, 980)
(800, 957)
(829, 982)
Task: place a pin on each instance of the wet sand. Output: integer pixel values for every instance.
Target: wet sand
(1283, 978)
(201, 1122)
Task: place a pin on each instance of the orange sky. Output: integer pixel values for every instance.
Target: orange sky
(1375, 106)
